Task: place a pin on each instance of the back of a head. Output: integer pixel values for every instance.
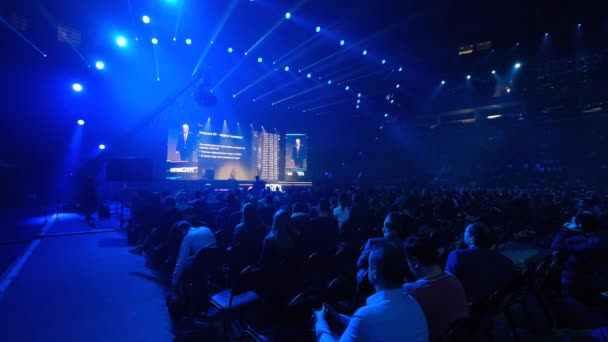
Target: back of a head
(587, 221)
(170, 202)
(299, 207)
(269, 200)
(388, 260)
(482, 235)
(343, 200)
(324, 205)
(183, 226)
(231, 198)
(279, 222)
(398, 224)
(249, 213)
(421, 248)
(198, 194)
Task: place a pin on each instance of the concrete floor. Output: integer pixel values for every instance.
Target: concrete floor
(83, 287)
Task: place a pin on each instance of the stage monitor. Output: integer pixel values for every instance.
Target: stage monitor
(296, 156)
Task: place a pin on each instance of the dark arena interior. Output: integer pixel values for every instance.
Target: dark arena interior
(304, 170)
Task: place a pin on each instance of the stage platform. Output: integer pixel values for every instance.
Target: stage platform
(72, 282)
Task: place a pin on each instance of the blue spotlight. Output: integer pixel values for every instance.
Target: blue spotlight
(397, 86)
(121, 41)
(230, 50)
(342, 42)
(386, 115)
(517, 65)
(579, 25)
(364, 52)
(188, 41)
(102, 146)
(359, 95)
(99, 65)
(468, 77)
(145, 19)
(547, 34)
(442, 82)
(358, 101)
(357, 106)
(80, 122)
(384, 61)
(329, 82)
(493, 72)
(318, 29)
(392, 101)
(286, 68)
(77, 87)
(308, 76)
(154, 41)
(346, 88)
(400, 69)
(260, 59)
(287, 15)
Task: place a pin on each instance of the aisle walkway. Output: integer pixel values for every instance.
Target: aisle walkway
(83, 287)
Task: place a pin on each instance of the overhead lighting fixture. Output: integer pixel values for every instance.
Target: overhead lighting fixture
(145, 19)
(493, 116)
(364, 52)
(468, 77)
(188, 41)
(286, 68)
(77, 87)
(99, 65)
(442, 82)
(318, 29)
(80, 122)
(517, 65)
(230, 50)
(287, 15)
(342, 42)
(493, 72)
(154, 41)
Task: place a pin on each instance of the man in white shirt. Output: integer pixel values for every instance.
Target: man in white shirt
(390, 315)
(195, 239)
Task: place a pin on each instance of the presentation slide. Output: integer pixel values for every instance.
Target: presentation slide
(211, 155)
(296, 155)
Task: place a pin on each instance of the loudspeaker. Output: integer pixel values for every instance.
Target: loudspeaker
(129, 169)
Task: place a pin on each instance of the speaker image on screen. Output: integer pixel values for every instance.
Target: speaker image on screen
(129, 170)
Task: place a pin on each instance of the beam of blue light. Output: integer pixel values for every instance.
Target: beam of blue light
(287, 68)
(230, 50)
(100, 65)
(442, 82)
(77, 87)
(364, 52)
(318, 29)
(154, 41)
(145, 19)
(517, 65)
(188, 41)
(80, 122)
(22, 37)
(260, 60)
(468, 77)
(287, 15)
(102, 146)
(342, 42)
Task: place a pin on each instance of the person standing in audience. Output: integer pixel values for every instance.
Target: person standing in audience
(195, 239)
(481, 270)
(390, 314)
(440, 294)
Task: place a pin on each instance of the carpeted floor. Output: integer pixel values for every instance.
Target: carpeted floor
(83, 287)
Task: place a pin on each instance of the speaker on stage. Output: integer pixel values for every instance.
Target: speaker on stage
(209, 174)
(129, 170)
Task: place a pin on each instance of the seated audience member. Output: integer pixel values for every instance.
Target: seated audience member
(300, 220)
(440, 294)
(585, 252)
(342, 212)
(160, 234)
(481, 270)
(323, 233)
(194, 240)
(247, 239)
(394, 230)
(390, 314)
(266, 212)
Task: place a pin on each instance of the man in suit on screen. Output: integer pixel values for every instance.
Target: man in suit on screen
(186, 143)
(298, 154)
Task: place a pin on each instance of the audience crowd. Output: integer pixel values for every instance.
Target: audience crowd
(379, 264)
